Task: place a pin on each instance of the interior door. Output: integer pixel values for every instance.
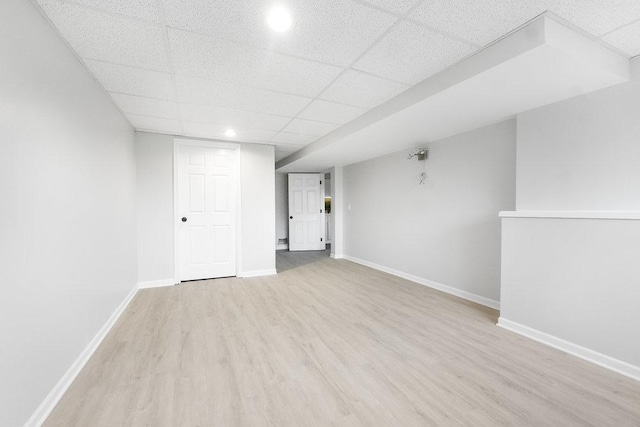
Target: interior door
(207, 182)
(306, 212)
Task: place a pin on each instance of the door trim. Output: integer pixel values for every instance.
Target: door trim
(177, 143)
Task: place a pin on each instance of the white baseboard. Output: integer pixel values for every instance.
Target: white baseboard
(257, 273)
(282, 246)
(435, 285)
(584, 353)
(156, 283)
(337, 256)
(54, 396)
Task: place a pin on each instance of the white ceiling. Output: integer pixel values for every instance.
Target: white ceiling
(198, 67)
(541, 63)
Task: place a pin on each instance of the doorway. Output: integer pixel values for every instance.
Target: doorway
(306, 212)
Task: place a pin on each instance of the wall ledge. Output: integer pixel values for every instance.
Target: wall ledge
(622, 215)
(576, 350)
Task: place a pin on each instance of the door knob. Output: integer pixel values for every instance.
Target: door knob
(184, 219)
(290, 217)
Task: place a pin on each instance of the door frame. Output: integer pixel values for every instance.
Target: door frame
(180, 142)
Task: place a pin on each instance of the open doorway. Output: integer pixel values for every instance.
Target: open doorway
(287, 259)
(306, 212)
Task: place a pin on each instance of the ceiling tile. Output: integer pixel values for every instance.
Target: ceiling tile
(595, 16)
(205, 57)
(141, 9)
(411, 53)
(106, 37)
(228, 19)
(155, 124)
(330, 112)
(309, 127)
(138, 105)
(209, 92)
(131, 80)
(477, 21)
(232, 118)
(395, 6)
(330, 31)
(626, 39)
(208, 130)
(293, 138)
(362, 89)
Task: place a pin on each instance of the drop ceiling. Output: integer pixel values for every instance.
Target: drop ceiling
(541, 63)
(198, 67)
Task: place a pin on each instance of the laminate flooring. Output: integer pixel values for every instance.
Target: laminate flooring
(331, 343)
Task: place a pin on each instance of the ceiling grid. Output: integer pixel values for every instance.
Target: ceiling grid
(198, 67)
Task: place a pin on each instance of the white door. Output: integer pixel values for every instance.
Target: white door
(207, 182)
(306, 212)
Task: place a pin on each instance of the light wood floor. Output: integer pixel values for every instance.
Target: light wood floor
(331, 343)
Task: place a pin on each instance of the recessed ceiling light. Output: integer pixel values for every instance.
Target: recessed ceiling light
(230, 133)
(279, 19)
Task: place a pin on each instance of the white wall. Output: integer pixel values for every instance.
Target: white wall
(154, 164)
(154, 158)
(282, 207)
(338, 209)
(575, 279)
(446, 231)
(67, 210)
(257, 166)
(583, 153)
(573, 282)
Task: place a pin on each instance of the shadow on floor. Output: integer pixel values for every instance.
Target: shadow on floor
(286, 260)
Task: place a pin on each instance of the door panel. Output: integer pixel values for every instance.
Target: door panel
(221, 249)
(221, 194)
(197, 244)
(312, 201)
(312, 230)
(306, 216)
(196, 193)
(207, 179)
